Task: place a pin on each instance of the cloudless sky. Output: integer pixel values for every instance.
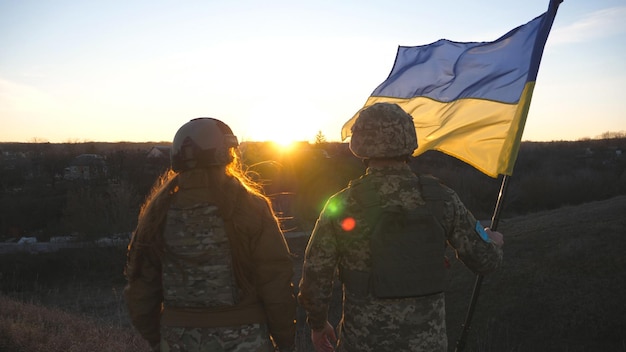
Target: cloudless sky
(276, 70)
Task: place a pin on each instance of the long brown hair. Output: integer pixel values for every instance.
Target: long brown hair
(236, 170)
(151, 220)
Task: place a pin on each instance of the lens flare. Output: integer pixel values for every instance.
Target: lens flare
(333, 207)
(348, 224)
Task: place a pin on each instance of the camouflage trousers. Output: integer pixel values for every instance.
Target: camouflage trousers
(252, 337)
(410, 325)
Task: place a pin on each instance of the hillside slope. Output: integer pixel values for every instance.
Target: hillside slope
(560, 288)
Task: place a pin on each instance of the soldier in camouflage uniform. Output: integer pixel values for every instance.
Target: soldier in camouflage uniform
(406, 312)
(208, 267)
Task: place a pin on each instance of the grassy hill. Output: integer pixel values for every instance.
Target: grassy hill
(560, 288)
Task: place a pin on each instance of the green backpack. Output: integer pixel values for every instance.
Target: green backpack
(407, 245)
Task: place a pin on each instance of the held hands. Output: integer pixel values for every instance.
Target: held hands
(324, 340)
(495, 237)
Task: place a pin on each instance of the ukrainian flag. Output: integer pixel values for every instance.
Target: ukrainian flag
(469, 100)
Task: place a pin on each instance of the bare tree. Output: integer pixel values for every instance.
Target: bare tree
(320, 138)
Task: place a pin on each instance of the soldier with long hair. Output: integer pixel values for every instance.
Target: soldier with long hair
(208, 267)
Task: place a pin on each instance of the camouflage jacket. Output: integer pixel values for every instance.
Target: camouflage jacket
(266, 295)
(371, 324)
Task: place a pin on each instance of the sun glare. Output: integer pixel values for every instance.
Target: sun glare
(284, 124)
(285, 145)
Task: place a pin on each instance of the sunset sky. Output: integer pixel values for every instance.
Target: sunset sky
(276, 70)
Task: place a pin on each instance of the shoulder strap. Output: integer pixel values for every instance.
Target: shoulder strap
(366, 196)
(433, 194)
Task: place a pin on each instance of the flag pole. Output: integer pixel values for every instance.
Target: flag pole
(460, 344)
(536, 57)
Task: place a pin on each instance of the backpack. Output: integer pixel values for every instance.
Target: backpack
(406, 245)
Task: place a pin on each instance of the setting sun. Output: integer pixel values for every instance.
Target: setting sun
(285, 145)
(285, 123)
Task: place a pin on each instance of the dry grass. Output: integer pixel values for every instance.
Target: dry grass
(560, 289)
(28, 327)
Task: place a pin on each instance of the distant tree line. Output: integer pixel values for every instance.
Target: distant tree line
(35, 200)
(547, 175)
(611, 134)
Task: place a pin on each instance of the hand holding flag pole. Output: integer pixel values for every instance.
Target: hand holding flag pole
(470, 101)
(540, 42)
(495, 219)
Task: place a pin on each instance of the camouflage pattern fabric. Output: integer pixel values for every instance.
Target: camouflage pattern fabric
(383, 130)
(410, 324)
(339, 241)
(246, 338)
(197, 267)
(195, 272)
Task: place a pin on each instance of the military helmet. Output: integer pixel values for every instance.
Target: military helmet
(383, 130)
(202, 142)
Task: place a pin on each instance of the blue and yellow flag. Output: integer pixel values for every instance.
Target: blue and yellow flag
(469, 100)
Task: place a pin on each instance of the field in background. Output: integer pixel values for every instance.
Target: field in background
(560, 289)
